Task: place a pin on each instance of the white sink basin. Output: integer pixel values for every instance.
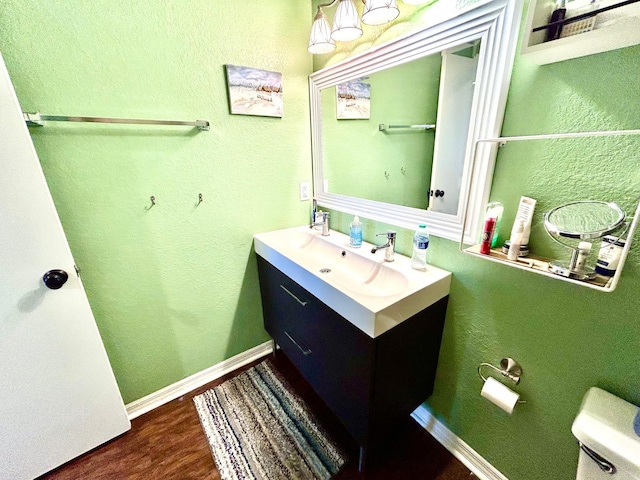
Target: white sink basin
(337, 263)
(373, 294)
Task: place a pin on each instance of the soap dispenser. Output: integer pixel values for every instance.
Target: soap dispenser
(355, 232)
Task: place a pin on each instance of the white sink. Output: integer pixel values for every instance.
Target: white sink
(373, 294)
(337, 263)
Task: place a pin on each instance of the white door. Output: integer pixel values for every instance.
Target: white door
(454, 114)
(58, 394)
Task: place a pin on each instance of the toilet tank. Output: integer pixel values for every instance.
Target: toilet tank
(610, 448)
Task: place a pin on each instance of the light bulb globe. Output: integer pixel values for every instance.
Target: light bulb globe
(378, 12)
(346, 23)
(320, 39)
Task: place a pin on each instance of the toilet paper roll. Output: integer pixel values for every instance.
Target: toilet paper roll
(500, 395)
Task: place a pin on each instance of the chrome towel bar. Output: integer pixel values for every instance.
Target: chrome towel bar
(382, 127)
(37, 119)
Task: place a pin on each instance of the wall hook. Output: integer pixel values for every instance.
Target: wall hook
(199, 199)
(386, 175)
(153, 202)
(403, 171)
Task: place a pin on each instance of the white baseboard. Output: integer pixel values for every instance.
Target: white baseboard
(458, 448)
(176, 390)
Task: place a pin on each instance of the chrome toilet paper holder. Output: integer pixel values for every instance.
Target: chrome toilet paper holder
(509, 368)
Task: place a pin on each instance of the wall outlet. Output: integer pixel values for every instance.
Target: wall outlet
(305, 193)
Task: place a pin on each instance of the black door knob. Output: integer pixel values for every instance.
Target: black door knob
(54, 279)
(439, 193)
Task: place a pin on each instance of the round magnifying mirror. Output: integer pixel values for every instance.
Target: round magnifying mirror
(584, 220)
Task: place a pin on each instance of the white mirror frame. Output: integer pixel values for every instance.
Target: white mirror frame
(496, 24)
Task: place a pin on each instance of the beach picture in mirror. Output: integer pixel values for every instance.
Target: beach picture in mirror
(353, 100)
(254, 92)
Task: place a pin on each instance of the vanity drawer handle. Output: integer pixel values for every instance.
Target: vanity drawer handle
(296, 298)
(304, 352)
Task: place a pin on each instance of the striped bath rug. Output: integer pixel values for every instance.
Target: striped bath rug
(258, 429)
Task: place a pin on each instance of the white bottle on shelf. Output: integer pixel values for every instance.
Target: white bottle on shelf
(581, 258)
(516, 239)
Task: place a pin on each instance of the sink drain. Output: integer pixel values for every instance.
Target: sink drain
(325, 270)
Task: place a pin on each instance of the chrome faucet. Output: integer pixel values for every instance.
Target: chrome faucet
(390, 246)
(324, 222)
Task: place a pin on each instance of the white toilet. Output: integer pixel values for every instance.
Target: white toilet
(609, 446)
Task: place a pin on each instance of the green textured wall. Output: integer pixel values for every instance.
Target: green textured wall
(568, 338)
(393, 166)
(174, 289)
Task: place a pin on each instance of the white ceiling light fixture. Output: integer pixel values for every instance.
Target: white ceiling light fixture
(378, 12)
(320, 39)
(346, 23)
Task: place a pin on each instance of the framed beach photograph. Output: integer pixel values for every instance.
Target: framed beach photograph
(353, 100)
(254, 92)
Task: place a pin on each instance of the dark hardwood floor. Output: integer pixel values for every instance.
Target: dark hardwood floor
(168, 443)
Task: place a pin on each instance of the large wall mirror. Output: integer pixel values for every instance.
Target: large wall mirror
(394, 129)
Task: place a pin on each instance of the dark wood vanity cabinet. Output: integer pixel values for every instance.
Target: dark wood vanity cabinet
(369, 383)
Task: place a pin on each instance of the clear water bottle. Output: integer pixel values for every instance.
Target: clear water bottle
(420, 245)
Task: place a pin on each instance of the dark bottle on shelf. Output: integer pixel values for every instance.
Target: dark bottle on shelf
(553, 32)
